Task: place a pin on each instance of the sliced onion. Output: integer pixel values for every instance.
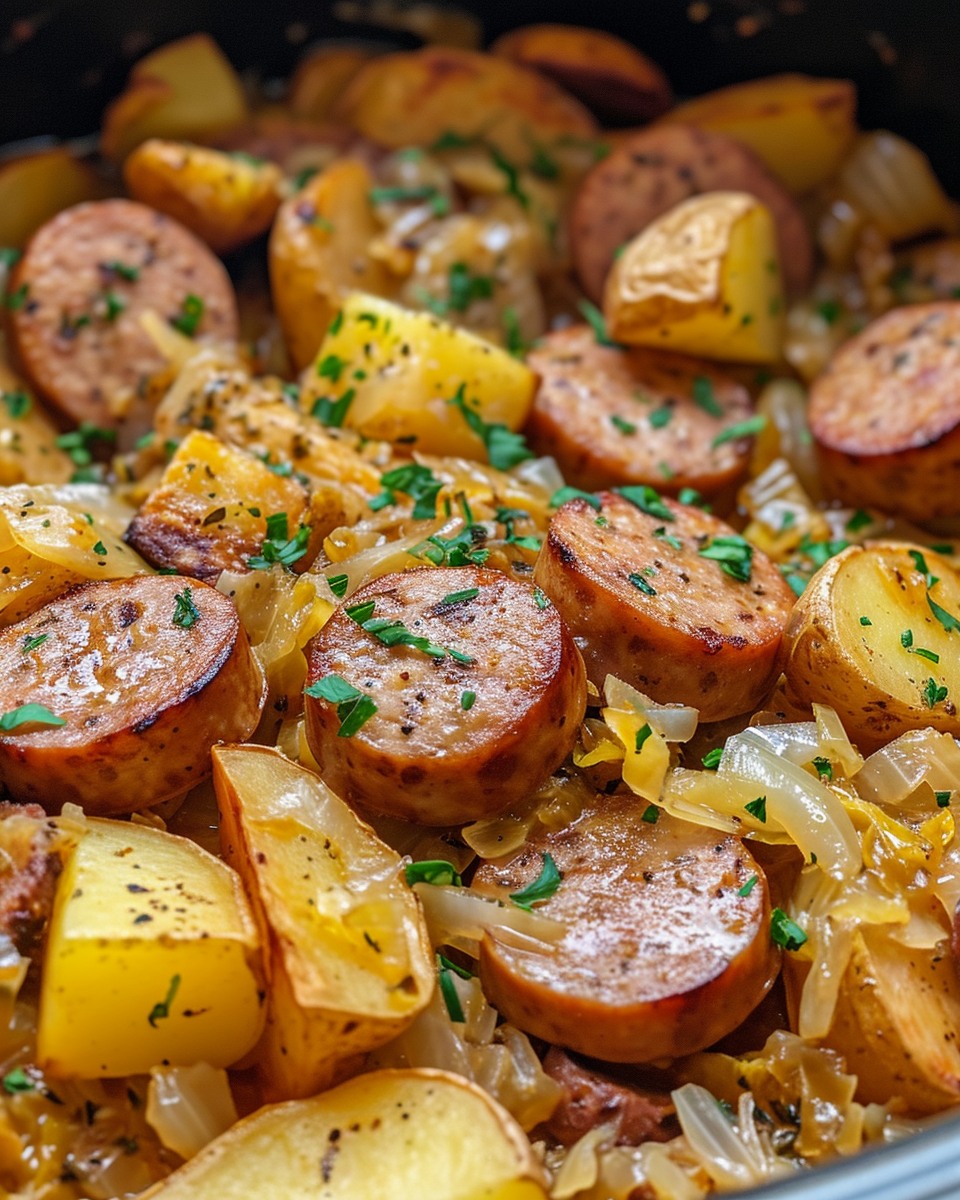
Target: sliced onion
(540, 472)
(13, 971)
(796, 741)
(581, 1168)
(717, 802)
(834, 743)
(893, 773)
(667, 1177)
(811, 813)
(462, 913)
(189, 1106)
(892, 183)
(784, 403)
(722, 1152)
(646, 758)
(675, 722)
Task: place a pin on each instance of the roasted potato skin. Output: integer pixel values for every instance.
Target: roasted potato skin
(222, 198)
(863, 670)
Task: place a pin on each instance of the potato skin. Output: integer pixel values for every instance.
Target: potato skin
(864, 672)
(885, 414)
(426, 755)
(144, 699)
(698, 637)
(223, 199)
(634, 978)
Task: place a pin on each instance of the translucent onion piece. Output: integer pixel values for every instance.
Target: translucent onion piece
(458, 912)
(811, 813)
(667, 1177)
(784, 403)
(725, 1155)
(189, 1106)
(834, 743)
(796, 741)
(581, 1168)
(781, 510)
(892, 183)
(647, 758)
(890, 775)
(717, 802)
(13, 971)
(540, 473)
(675, 722)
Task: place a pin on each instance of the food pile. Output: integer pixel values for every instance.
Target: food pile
(479, 625)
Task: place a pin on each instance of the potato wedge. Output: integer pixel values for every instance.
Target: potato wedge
(704, 279)
(610, 76)
(396, 373)
(350, 963)
(320, 78)
(226, 199)
(389, 1133)
(152, 957)
(318, 253)
(802, 127)
(874, 639)
(414, 98)
(36, 188)
(896, 1020)
(209, 511)
(28, 438)
(186, 89)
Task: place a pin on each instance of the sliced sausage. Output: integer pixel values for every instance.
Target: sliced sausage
(86, 278)
(653, 170)
(31, 865)
(591, 1098)
(661, 956)
(611, 416)
(145, 673)
(886, 414)
(464, 729)
(647, 602)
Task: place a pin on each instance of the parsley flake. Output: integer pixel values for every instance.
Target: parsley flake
(161, 1010)
(542, 888)
(647, 499)
(711, 760)
(467, 700)
(785, 932)
(930, 693)
(650, 814)
(942, 798)
(597, 322)
(338, 585)
(188, 319)
(279, 547)
(436, 871)
(505, 449)
(733, 554)
(641, 584)
(185, 612)
(748, 887)
(758, 809)
(415, 481)
(704, 397)
(17, 404)
(354, 708)
(29, 644)
(741, 429)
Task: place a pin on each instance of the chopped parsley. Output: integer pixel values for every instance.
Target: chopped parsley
(448, 990)
(931, 694)
(79, 443)
(331, 367)
(624, 426)
(408, 195)
(505, 449)
(338, 585)
(947, 620)
(17, 403)
(823, 767)
(647, 499)
(161, 1010)
(785, 932)
(121, 269)
(711, 760)
(641, 584)
(830, 310)
(29, 644)
(354, 708)
(859, 520)
(542, 888)
(436, 871)
(597, 322)
(640, 737)
(921, 564)
(748, 887)
(650, 814)
(661, 534)
(511, 328)
(188, 319)
(942, 798)
(460, 597)
(278, 546)
(467, 700)
(733, 554)
(461, 550)
(99, 549)
(395, 633)
(865, 621)
(465, 287)
(331, 412)
(704, 397)
(562, 495)
(512, 176)
(18, 1080)
(741, 429)
(660, 417)
(758, 809)
(415, 481)
(185, 612)
(16, 299)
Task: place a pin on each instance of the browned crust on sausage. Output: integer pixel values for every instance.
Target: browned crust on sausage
(703, 638)
(661, 956)
(144, 699)
(28, 875)
(651, 172)
(591, 395)
(94, 370)
(591, 1098)
(425, 755)
(610, 76)
(886, 414)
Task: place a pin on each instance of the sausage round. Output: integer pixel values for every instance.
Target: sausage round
(647, 606)
(452, 740)
(611, 416)
(885, 414)
(653, 170)
(661, 956)
(86, 277)
(142, 697)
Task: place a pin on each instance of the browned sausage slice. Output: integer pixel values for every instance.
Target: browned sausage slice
(648, 600)
(145, 674)
(611, 416)
(655, 169)
(662, 955)
(85, 279)
(591, 1098)
(886, 414)
(463, 729)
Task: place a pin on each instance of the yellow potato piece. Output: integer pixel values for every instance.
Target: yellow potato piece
(402, 369)
(703, 279)
(186, 89)
(319, 253)
(28, 437)
(879, 686)
(226, 199)
(36, 188)
(802, 127)
(402, 1134)
(320, 79)
(350, 961)
(152, 957)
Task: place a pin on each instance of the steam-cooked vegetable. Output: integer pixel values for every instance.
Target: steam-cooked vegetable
(152, 957)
